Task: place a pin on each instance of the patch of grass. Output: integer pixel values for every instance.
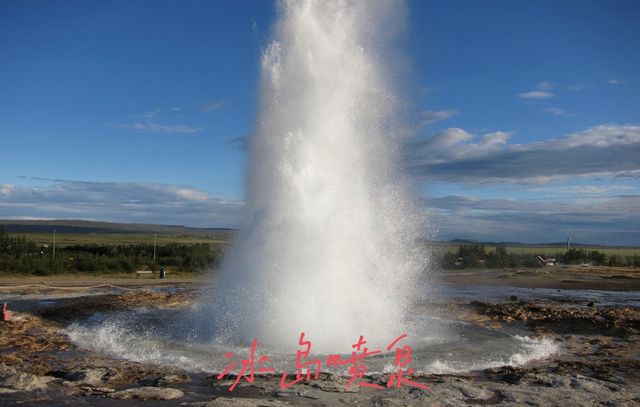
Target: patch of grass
(71, 239)
(550, 250)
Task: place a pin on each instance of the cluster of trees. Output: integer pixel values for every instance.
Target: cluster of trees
(581, 256)
(21, 255)
(475, 255)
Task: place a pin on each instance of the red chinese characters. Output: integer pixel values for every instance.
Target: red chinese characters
(300, 365)
(402, 359)
(306, 367)
(358, 369)
(247, 364)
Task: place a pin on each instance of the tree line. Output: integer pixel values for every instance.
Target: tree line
(24, 256)
(476, 255)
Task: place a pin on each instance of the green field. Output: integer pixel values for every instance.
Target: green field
(70, 239)
(223, 238)
(548, 250)
(79, 232)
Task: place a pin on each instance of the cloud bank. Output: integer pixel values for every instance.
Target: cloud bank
(458, 156)
(142, 202)
(601, 220)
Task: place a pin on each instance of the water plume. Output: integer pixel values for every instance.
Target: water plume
(331, 239)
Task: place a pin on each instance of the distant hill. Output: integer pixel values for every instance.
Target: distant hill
(87, 227)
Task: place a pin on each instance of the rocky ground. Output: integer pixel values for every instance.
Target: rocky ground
(598, 365)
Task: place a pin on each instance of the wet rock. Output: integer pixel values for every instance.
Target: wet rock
(546, 380)
(334, 383)
(452, 391)
(388, 402)
(25, 381)
(612, 321)
(609, 377)
(6, 370)
(98, 390)
(170, 379)
(104, 390)
(300, 392)
(471, 391)
(476, 393)
(237, 402)
(148, 393)
(14, 380)
(7, 391)
(92, 377)
(513, 298)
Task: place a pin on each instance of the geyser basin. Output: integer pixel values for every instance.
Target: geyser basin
(150, 336)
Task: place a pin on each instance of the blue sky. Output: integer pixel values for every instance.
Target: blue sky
(135, 111)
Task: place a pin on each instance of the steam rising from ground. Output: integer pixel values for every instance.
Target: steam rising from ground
(330, 241)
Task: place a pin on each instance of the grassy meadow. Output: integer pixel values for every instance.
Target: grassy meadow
(26, 247)
(547, 250)
(74, 239)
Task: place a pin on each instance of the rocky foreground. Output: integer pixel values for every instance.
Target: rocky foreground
(599, 364)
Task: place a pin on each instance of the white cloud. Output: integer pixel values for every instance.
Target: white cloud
(5, 189)
(432, 116)
(536, 94)
(545, 86)
(580, 189)
(600, 220)
(594, 189)
(615, 82)
(120, 201)
(455, 143)
(542, 91)
(159, 120)
(603, 220)
(454, 155)
(189, 194)
(598, 136)
(149, 126)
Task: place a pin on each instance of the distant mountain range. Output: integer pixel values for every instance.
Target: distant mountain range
(85, 226)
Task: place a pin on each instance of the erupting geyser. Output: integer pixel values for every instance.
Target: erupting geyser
(330, 244)
(331, 241)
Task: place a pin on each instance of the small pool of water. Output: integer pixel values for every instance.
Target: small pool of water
(167, 337)
(502, 293)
